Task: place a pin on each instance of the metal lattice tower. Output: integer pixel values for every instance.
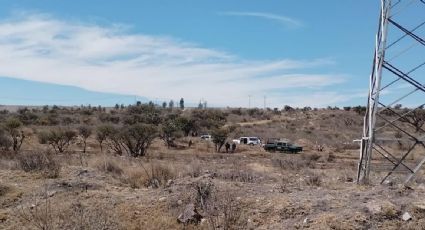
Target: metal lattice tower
(392, 137)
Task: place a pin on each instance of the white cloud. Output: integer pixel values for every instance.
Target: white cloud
(114, 60)
(287, 21)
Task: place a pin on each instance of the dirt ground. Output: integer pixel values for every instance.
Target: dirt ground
(248, 189)
(257, 189)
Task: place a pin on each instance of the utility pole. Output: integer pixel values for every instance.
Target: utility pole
(249, 101)
(265, 102)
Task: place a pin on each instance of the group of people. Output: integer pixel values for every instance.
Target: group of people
(228, 147)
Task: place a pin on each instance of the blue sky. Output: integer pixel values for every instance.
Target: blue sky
(301, 53)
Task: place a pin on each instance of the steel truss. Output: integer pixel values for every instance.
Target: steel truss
(374, 150)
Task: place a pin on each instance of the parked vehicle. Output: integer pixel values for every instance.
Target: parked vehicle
(270, 144)
(248, 141)
(206, 137)
(275, 144)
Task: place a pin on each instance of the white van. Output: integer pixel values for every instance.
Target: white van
(248, 141)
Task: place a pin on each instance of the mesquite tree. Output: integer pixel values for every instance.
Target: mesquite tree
(137, 138)
(59, 138)
(84, 133)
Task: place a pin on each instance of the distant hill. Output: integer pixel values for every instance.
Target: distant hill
(22, 92)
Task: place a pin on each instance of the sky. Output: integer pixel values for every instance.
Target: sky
(229, 53)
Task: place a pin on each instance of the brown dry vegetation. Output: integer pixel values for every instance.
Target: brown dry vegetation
(249, 189)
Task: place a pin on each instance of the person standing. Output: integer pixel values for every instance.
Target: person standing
(233, 147)
(227, 145)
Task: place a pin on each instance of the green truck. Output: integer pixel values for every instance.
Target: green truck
(281, 145)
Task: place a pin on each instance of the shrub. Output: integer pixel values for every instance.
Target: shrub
(4, 189)
(111, 136)
(104, 117)
(204, 192)
(111, 167)
(59, 138)
(209, 119)
(237, 111)
(398, 106)
(170, 129)
(311, 157)
(152, 175)
(135, 178)
(415, 117)
(49, 119)
(102, 133)
(12, 127)
(67, 120)
(288, 108)
(157, 174)
(313, 179)
(42, 162)
(48, 215)
(219, 137)
(187, 125)
(331, 157)
(227, 212)
(194, 168)
(26, 116)
(245, 175)
(137, 138)
(5, 142)
(292, 162)
(221, 208)
(143, 114)
(84, 133)
(361, 110)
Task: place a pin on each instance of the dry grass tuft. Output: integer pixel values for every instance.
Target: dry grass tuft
(157, 174)
(240, 175)
(312, 157)
(194, 168)
(152, 174)
(135, 177)
(110, 166)
(39, 162)
(313, 179)
(4, 189)
(220, 207)
(47, 215)
(291, 162)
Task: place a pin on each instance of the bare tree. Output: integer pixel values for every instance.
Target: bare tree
(415, 117)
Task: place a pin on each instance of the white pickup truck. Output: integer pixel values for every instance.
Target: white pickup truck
(206, 137)
(248, 141)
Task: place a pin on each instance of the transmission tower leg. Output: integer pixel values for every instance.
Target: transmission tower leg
(374, 91)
